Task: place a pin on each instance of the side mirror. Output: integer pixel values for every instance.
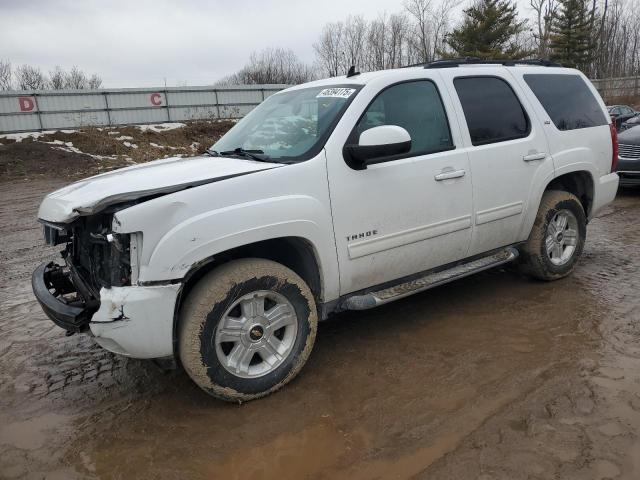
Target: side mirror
(377, 143)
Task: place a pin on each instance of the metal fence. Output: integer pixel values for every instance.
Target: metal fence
(618, 87)
(26, 111)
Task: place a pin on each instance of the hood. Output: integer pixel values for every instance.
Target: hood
(630, 136)
(159, 177)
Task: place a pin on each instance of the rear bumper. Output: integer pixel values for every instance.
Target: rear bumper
(605, 191)
(71, 314)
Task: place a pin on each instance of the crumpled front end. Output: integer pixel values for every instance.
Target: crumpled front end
(93, 257)
(93, 288)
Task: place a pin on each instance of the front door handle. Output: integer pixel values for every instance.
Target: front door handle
(534, 156)
(449, 175)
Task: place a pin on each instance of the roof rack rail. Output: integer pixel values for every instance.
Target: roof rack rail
(456, 62)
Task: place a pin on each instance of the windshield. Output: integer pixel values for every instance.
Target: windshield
(290, 125)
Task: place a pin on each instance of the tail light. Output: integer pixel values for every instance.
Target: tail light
(614, 146)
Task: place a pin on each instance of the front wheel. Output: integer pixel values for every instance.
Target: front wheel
(557, 237)
(246, 329)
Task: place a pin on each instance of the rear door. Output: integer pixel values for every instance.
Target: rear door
(508, 152)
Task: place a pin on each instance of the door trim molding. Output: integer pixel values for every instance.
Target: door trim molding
(498, 213)
(406, 237)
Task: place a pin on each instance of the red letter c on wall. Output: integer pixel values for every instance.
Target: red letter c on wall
(156, 99)
(26, 104)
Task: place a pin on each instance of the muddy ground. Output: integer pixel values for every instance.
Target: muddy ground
(492, 377)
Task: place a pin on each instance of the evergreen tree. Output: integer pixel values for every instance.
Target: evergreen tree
(489, 30)
(572, 34)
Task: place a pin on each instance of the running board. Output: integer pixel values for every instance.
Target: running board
(374, 299)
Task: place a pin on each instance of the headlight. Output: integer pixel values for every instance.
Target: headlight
(54, 234)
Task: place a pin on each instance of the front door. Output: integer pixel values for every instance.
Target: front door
(410, 212)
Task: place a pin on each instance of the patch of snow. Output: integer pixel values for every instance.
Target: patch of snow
(160, 127)
(114, 132)
(67, 149)
(18, 137)
(130, 145)
(155, 145)
(124, 137)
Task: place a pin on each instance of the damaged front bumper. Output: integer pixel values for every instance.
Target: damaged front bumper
(136, 321)
(64, 296)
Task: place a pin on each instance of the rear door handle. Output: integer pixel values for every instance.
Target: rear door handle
(449, 175)
(534, 156)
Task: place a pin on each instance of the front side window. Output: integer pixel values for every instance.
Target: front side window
(415, 106)
(567, 100)
(290, 126)
(492, 110)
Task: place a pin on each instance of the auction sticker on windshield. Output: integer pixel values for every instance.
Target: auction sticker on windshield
(336, 92)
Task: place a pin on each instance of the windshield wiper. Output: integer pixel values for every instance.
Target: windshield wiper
(258, 155)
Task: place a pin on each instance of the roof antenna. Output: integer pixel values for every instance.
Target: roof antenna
(352, 71)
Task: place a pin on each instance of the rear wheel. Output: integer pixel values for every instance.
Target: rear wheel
(246, 329)
(557, 237)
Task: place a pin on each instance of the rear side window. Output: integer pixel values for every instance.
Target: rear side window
(492, 110)
(415, 106)
(567, 100)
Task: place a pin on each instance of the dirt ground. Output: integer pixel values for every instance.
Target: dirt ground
(492, 377)
(88, 151)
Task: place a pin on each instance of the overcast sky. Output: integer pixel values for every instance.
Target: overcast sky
(142, 42)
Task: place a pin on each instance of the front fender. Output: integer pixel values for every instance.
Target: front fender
(213, 232)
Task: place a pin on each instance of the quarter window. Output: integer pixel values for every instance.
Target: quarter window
(415, 106)
(567, 100)
(492, 110)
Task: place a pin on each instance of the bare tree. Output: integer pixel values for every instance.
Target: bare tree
(545, 11)
(330, 48)
(271, 65)
(441, 24)
(94, 81)
(396, 31)
(420, 11)
(30, 78)
(6, 75)
(353, 43)
(57, 78)
(618, 47)
(76, 79)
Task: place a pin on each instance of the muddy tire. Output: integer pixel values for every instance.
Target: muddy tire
(557, 237)
(246, 329)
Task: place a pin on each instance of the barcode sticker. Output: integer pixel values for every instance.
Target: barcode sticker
(336, 93)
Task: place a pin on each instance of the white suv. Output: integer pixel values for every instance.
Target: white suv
(338, 194)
